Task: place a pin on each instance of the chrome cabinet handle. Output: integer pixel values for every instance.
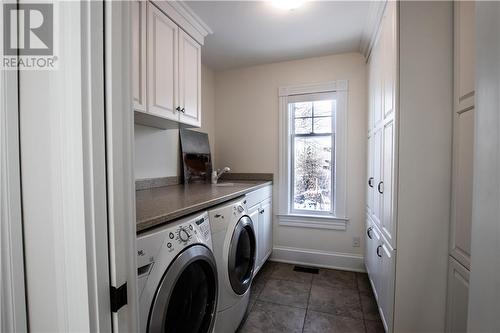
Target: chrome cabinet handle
(380, 187)
(183, 110)
(370, 182)
(378, 251)
(178, 109)
(261, 211)
(369, 232)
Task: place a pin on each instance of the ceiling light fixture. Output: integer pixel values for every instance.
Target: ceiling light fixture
(287, 4)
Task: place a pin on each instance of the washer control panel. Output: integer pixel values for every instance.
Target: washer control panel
(172, 239)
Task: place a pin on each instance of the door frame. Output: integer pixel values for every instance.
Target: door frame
(13, 304)
(120, 160)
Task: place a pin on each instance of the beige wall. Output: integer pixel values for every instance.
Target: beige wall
(246, 137)
(157, 150)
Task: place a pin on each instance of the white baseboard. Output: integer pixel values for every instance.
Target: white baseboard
(308, 257)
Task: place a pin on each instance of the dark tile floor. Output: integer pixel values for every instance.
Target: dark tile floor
(283, 300)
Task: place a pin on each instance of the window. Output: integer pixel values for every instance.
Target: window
(313, 154)
(312, 150)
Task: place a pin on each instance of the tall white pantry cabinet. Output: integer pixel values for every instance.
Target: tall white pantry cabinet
(409, 161)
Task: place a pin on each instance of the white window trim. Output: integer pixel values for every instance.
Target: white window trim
(286, 218)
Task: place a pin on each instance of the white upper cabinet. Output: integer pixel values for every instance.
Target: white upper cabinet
(162, 64)
(139, 9)
(189, 80)
(166, 66)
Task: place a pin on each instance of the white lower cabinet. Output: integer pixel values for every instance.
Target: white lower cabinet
(380, 265)
(260, 210)
(458, 297)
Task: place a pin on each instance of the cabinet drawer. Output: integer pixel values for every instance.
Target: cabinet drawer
(257, 196)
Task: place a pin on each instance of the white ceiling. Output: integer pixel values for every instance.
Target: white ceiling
(255, 32)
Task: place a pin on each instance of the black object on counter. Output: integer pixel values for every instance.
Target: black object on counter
(196, 157)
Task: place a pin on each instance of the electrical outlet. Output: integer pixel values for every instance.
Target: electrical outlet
(356, 242)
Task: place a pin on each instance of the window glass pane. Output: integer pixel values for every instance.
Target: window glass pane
(302, 109)
(323, 108)
(312, 173)
(303, 125)
(323, 125)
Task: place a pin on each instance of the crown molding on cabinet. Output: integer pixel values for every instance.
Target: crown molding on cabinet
(371, 27)
(184, 16)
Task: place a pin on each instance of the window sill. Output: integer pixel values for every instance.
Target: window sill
(313, 221)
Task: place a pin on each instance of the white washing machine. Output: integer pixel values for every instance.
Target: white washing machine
(234, 244)
(178, 281)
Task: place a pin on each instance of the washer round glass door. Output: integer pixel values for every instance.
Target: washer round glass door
(186, 298)
(241, 259)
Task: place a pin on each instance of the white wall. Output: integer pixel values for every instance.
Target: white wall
(247, 136)
(157, 150)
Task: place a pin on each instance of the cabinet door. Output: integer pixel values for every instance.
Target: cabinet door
(378, 86)
(386, 283)
(389, 59)
(464, 53)
(254, 214)
(266, 230)
(371, 245)
(463, 133)
(388, 228)
(162, 42)
(375, 253)
(371, 180)
(371, 93)
(189, 80)
(377, 176)
(458, 297)
(139, 54)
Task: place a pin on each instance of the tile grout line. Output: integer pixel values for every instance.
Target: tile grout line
(307, 305)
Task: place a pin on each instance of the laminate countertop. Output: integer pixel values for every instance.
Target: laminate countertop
(160, 205)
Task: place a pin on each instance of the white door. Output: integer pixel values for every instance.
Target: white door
(370, 248)
(463, 133)
(139, 54)
(458, 297)
(189, 80)
(389, 59)
(388, 228)
(377, 176)
(386, 283)
(162, 42)
(378, 86)
(266, 229)
(376, 253)
(370, 175)
(254, 213)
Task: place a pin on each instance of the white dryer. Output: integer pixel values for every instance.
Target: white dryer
(178, 282)
(234, 246)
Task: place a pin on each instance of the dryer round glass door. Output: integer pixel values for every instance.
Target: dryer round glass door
(186, 298)
(241, 259)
